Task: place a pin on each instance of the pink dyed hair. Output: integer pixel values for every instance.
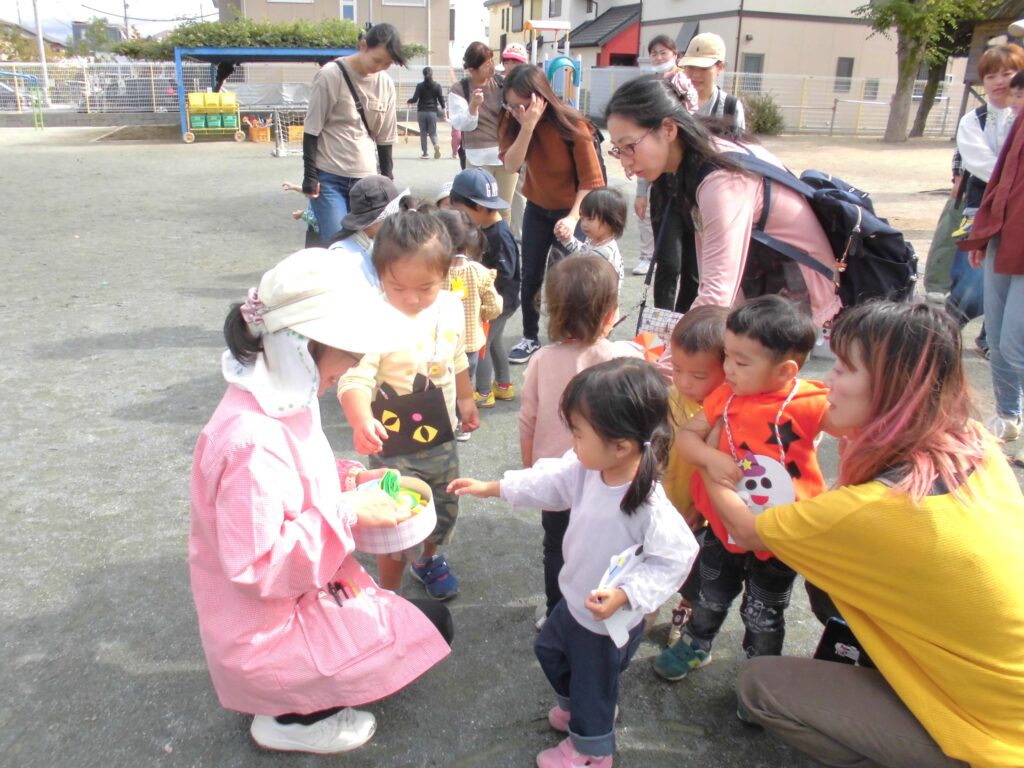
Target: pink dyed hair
(921, 423)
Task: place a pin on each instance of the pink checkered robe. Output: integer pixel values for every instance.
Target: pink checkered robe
(270, 530)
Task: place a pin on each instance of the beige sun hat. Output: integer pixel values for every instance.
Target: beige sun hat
(705, 50)
(326, 298)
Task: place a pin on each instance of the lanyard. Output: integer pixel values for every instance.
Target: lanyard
(778, 418)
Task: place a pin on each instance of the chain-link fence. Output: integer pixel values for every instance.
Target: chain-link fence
(809, 104)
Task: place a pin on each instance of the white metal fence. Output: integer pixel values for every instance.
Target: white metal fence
(809, 104)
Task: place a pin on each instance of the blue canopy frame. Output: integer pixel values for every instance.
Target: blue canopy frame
(237, 55)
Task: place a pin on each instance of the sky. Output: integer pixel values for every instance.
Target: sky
(57, 15)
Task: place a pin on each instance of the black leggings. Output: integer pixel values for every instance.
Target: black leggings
(439, 616)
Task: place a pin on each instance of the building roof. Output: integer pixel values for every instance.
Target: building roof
(1011, 9)
(31, 34)
(597, 32)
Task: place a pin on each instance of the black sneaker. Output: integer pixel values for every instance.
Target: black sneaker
(523, 351)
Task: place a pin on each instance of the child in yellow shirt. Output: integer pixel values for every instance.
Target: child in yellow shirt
(696, 352)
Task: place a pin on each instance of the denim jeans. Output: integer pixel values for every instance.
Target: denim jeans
(494, 365)
(584, 668)
(766, 586)
(538, 239)
(331, 205)
(1004, 318)
(428, 127)
(967, 290)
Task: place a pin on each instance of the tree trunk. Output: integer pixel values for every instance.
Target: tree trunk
(909, 51)
(936, 72)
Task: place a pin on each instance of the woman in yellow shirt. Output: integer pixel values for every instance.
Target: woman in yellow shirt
(921, 548)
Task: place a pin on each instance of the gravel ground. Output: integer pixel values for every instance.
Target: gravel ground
(123, 258)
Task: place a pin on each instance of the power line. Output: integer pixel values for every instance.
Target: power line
(137, 18)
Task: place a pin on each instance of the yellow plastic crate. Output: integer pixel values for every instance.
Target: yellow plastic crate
(196, 101)
(211, 100)
(294, 134)
(228, 100)
(257, 134)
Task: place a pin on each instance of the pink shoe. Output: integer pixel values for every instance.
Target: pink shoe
(564, 756)
(558, 718)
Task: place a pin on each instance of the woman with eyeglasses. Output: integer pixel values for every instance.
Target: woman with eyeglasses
(556, 144)
(692, 175)
(474, 107)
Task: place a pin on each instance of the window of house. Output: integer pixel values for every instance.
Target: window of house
(871, 89)
(844, 71)
(751, 68)
(348, 10)
(517, 15)
(554, 8)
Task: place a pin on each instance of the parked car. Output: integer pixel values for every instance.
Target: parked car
(140, 94)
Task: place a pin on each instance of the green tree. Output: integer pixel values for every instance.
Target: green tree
(952, 42)
(96, 37)
(918, 24)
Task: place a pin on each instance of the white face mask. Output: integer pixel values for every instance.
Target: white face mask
(664, 67)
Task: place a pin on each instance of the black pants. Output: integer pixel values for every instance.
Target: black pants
(438, 615)
(538, 239)
(555, 524)
(676, 278)
(766, 585)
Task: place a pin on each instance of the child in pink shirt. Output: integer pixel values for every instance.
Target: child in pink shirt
(581, 300)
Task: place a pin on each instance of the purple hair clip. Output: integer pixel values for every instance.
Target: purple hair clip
(252, 309)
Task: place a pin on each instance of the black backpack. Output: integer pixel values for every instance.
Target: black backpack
(874, 260)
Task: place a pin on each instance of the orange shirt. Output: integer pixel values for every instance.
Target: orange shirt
(551, 172)
(767, 482)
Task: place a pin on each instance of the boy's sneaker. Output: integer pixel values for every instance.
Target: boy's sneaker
(462, 437)
(523, 351)
(437, 152)
(961, 232)
(424, 156)
(436, 576)
(484, 401)
(642, 266)
(503, 391)
(564, 756)
(348, 729)
(1003, 429)
(681, 658)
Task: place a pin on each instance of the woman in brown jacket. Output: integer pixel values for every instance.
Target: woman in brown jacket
(556, 143)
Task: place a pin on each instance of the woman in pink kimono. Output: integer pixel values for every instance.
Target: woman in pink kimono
(294, 630)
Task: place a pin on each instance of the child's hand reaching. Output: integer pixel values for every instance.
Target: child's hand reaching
(482, 489)
(602, 603)
(368, 437)
(722, 470)
(287, 186)
(297, 214)
(562, 232)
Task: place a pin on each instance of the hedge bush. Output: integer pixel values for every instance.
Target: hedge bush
(763, 114)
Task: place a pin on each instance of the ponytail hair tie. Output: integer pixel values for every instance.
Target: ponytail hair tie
(647, 444)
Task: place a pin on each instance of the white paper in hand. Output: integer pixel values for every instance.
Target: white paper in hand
(621, 565)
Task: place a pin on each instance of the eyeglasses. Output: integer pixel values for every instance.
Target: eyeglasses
(629, 149)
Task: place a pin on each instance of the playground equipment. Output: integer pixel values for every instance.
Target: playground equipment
(34, 95)
(563, 71)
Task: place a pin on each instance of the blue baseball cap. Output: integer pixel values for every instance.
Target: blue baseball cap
(478, 185)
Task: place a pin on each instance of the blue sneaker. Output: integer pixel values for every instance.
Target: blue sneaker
(681, 658)
(436, 576)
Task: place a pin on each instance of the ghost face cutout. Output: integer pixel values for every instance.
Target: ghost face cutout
(765, 483)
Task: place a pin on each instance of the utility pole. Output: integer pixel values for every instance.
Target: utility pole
(42, 54)
(127, 29)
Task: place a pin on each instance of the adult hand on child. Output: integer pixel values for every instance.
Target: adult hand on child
(368, 437)
(373, 508)
(722, 470)
(562, 232)
(568, 225)
(602, 603)
(482, 489)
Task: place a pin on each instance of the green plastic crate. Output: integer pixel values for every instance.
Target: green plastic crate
(229, 121)
(197, 121)
(213, 121)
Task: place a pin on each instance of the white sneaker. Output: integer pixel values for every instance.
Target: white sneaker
(642, 266)
(341, 732)
(1003, 429)
(461, 436)
(935, 297)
